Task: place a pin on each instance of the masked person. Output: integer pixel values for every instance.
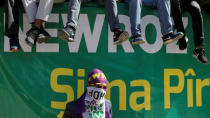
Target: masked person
(12, 23)
(163, 7)
(92, 104)
(197, 24)
(37, 15)
(68, 32)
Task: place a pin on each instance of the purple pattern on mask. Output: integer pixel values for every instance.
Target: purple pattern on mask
(96, 76)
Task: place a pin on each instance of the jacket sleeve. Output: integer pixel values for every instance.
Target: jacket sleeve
(68, 112)
(109, 104)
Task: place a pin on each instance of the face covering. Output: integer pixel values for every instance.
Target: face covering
(95, 96)
(94, 103)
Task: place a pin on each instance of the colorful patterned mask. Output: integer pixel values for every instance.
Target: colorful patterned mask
(97, 78)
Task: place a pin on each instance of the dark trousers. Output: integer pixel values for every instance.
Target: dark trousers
(12, 18)
(197, 21)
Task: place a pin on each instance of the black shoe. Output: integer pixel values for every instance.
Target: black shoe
(137, 39)
(32, 36)
(14, 44)
(120, 37)
(43, 36)
(67, 34)
(183, 43)
(199, 54)
(169, 38)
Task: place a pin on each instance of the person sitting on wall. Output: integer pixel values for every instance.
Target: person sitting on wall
(68, 32)
(92, 104)
(12, 23)
(37, 16)
(163, 6)
(197, 23)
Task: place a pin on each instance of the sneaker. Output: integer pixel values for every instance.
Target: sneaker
(199, 54)
(137, 40)
(14, 44)
(43, 36)
(120, 37)
(169, 38)
(67, 34)
(183, 43)
(32, 36)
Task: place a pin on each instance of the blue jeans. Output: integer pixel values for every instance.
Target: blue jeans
(111, 8)
(163, 11)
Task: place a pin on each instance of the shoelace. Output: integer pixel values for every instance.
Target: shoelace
(200, 51)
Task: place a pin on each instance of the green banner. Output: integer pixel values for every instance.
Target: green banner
(145, 81)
